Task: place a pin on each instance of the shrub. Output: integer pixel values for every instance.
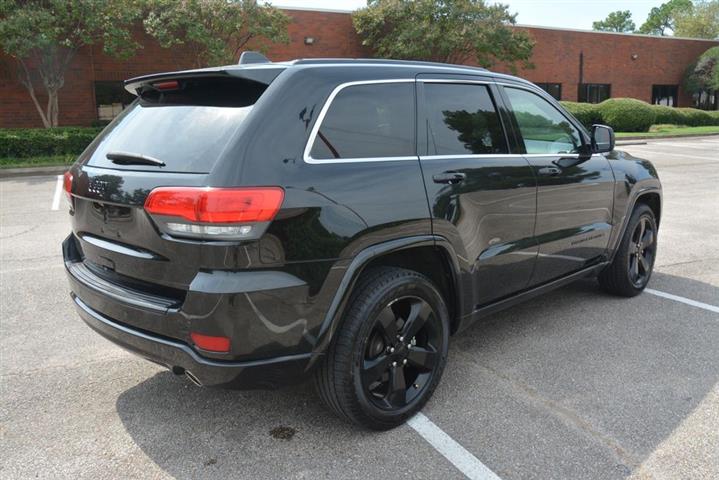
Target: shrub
(693, 117)
(587, 113)
(35, 142)
(667, 115)
(627, 114)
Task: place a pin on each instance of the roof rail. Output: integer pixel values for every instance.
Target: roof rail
(252, 57)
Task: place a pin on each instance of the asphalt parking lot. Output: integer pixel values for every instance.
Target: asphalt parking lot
(574, 384)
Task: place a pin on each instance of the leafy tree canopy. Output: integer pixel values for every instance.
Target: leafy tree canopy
(619, 21)
(214, 31)
(662, 19)
(701, 21)
(452, 31)
(44, 36)
(703, 76)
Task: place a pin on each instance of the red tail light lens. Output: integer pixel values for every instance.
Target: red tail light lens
(210, 343)
(222, 213)
(67, 186)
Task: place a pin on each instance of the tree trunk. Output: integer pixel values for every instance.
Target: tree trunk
(26, 81)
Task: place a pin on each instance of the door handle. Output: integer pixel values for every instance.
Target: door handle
(451, 178)
(551, 171)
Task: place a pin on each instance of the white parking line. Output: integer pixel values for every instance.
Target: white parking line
(464, 461)
(687, 301)
(58, 192)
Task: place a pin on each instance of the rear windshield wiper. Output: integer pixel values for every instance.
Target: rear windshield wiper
(127, 158)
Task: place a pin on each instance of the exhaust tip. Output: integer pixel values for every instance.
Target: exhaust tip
(192, 378)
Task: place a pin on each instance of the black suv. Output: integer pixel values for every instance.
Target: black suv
(262, 223)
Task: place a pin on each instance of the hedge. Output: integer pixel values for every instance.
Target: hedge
(587, 113)
(35, 142)
(630, 115)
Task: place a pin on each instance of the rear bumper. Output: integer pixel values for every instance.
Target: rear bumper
(263, 355)
(269, 373)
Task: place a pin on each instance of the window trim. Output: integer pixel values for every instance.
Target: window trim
(307, 157)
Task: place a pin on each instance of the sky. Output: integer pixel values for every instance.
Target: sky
(548, 13)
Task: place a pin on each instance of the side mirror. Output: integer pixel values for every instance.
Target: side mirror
(602, 139)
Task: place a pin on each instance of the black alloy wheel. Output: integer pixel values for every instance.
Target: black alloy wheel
(641, 252)
(401, 353)
(631, 269)
(389, 352)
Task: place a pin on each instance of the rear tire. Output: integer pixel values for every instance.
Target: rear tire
(388, 355)
(633, 263)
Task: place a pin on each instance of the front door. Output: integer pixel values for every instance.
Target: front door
(575, 190)
(482, 199)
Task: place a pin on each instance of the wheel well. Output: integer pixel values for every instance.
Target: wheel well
(653, 201)
(433, 263)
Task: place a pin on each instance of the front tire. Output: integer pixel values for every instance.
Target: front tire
(389, 353)
(633, 263)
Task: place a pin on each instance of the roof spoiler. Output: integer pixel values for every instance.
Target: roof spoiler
(252, 57)
(264, 75)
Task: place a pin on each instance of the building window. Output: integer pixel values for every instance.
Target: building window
(665, 95)
(554, 89)
(111, 98)
(706, 100)
(594, 92)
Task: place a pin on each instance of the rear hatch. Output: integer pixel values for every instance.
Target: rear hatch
(167, 142)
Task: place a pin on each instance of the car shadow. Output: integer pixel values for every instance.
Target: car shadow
(620, 374)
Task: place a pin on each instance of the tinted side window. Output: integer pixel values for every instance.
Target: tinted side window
(461, 119)
(543, 127)
(368, 121)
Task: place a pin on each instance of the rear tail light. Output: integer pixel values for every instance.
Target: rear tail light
(67, 186)
(210, 343)
(214, 213)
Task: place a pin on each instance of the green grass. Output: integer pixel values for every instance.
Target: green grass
(669, 130)
(47, 161)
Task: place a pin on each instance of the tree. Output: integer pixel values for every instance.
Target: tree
(702, 21)
(452, 31)
(703, 76)
(43, 36)
(619, 21)
(662, 19)
(215, 31)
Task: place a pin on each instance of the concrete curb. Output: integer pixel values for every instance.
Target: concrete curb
(646, 137)
(33, 171)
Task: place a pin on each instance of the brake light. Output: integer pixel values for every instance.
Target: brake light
(168, 85)
(210, 343)
(67, 186)
(219, 213)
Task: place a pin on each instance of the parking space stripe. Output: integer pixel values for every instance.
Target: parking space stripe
(464, 461)
(688, 301)
(58, 192)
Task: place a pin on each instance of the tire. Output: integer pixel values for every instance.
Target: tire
(357, 379)
(633, 263)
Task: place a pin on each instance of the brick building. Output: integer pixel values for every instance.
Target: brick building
(570, 64)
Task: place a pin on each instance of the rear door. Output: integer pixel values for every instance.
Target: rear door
(575, 189)
(482, 198)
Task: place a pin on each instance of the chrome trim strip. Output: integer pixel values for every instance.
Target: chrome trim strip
(316, 127)
(454, 80)
(471, 155)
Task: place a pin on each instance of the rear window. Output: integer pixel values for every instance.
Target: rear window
(188, 128)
